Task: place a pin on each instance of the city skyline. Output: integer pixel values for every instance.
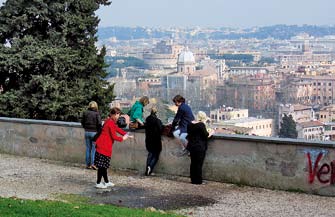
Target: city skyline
(215, 13)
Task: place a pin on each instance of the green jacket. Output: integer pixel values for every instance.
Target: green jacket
(136, 112)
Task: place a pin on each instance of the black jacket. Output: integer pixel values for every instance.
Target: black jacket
(91, 120)
(197, 137)
(153, 131)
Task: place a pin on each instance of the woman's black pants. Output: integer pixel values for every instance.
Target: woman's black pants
(197, 160)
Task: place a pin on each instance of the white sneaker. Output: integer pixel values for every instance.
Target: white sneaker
(149, 170)
(109, 184)
(101, 185)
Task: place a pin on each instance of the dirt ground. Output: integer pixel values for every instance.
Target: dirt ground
(31, 178)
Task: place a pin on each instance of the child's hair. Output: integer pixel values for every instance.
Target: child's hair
(114, 111)
(178, 98)
(144, 100)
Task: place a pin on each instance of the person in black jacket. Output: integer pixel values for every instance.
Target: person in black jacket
(91, 121)
(197, 136)
(153, 140)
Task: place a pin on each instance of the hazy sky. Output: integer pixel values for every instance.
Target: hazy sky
(216, 13)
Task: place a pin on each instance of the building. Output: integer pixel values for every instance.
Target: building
(256, 93)
(311, 130)
(326, 114)
(164, 55)
(300, 113)
(256, 126)
(197, 86)
(228, 113)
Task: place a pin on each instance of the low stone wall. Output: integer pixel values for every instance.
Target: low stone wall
(272, 163)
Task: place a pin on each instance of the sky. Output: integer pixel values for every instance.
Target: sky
(216, 13)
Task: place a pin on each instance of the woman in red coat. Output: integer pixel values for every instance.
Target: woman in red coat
(104, 146)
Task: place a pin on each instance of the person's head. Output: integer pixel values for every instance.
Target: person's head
(93, 105)
(115, 113)
(178, 100)
(202, 117)
(154, 110)
(144, 100)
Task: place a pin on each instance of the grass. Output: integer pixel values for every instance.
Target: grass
(14, 207)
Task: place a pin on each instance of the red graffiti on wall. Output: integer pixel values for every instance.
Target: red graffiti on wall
(325, 173)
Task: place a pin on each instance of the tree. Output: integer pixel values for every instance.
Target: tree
(288, 127)
(49, 65)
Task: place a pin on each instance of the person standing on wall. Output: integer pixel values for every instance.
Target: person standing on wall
(153, 140)
(197, 145)
(136, 112)
(104, 146)
(91, 121)
(181, 120)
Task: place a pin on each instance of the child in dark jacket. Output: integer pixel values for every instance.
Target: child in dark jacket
(153, 140)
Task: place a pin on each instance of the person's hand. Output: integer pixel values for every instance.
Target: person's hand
(127, 136)
(211, 132)
(130, 136)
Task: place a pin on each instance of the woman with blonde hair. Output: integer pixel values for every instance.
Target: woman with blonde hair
(91, 121)
(197, 136)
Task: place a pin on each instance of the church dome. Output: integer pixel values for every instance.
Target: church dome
(186, 57)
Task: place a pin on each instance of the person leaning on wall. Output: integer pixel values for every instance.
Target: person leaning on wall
(197, 136)
(91, 121)
(136, 112)
(153, 140)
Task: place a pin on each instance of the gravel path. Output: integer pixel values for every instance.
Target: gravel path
(31, 178)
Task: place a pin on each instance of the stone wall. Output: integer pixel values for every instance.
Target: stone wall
(273, 163)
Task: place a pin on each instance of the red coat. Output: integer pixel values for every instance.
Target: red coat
(104, 144)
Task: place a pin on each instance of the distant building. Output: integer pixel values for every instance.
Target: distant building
(228, 113)
(326, 114)
(300, 113)
(309, 90)
(311, 130)
(163, 55)
(256, 93)
(256, 126)
(197, 86)
(305, 58)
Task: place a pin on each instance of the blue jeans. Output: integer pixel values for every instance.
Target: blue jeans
(90, 148)
(152, 160)
(181, 137)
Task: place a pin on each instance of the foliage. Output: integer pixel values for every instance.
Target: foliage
(17, 207)
(245, 58)
(288, 127)
(123, 62)
(49, 65)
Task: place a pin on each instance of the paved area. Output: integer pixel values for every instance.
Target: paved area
(31, 178)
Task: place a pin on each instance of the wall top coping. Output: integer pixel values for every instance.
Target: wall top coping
(260, 139)
(44, 122)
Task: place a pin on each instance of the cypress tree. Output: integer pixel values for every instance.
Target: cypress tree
(288, 127)
(50, 67)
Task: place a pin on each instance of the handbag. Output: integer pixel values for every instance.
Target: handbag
(166, 130)
(133, 125)
(96, 136)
